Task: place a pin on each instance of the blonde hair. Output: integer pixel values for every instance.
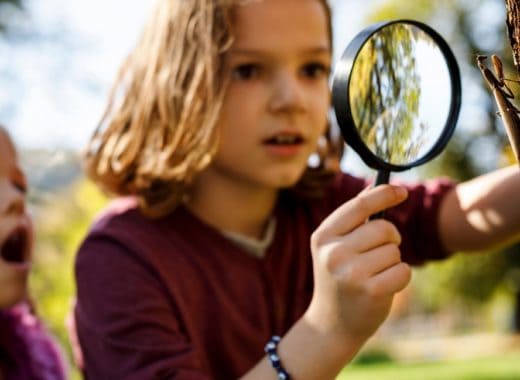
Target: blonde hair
(158, 130)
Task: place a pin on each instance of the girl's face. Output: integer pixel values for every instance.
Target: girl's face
(15, 227)
(276, 105)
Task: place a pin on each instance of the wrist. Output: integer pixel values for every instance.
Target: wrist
(308, 352)
(333, 338)
(332, 331)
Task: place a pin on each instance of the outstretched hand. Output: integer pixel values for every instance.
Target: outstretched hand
(357, 267)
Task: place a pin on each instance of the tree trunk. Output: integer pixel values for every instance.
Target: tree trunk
(513, 29)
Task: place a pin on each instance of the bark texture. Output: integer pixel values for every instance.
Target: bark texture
(513, 29)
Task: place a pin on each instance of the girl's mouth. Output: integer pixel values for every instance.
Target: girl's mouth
(284, 145)
(15, 249)
(284, 139)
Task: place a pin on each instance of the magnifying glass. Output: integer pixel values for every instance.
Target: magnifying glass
(396, 93)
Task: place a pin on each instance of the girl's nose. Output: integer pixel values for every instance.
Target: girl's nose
(287, 94)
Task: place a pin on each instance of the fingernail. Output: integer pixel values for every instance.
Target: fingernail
(401, 192)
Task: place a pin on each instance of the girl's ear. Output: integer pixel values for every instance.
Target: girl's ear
(316, 177)
(333, 148)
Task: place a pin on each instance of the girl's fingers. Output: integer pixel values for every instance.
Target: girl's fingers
(371, 235)
(379, 259)
(367, 264)
(356, 211)
(390, 281)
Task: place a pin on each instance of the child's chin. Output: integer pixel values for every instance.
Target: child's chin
(13, 290)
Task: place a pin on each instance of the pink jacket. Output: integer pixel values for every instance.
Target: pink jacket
(27, 351)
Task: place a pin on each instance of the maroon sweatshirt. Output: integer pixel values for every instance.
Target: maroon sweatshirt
(172, 298)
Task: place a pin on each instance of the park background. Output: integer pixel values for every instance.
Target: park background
(459, 319)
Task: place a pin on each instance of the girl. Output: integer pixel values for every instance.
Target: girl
(26, 350)
(223, 239)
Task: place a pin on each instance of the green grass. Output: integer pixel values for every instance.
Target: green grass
(501, 367)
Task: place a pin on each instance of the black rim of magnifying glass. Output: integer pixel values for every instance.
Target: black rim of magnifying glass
(341, 97)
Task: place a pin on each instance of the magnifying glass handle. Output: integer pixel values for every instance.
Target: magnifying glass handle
(383, 176)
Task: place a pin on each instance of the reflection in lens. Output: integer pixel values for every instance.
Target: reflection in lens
(394, 93)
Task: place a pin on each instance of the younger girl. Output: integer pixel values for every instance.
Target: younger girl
(224, 239)
(26, 351)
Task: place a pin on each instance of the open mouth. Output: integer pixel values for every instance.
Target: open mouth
(284, 139)
(14, 250)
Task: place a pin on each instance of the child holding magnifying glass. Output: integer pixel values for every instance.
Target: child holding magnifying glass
(224, 242)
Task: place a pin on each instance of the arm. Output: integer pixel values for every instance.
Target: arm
(357, 270)
(308, 353)
(482, 213)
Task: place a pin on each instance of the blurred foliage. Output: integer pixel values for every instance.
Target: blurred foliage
(61, 223)
(498, 367)
(373, 356)
(7, 7)
(478, 145)
(16, 3)
(462, 279)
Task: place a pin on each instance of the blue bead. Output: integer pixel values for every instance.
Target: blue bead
(270, 350)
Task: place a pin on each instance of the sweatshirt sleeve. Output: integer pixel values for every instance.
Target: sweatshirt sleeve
(417, 221)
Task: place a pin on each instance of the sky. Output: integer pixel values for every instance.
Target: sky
(59, 62)
(57, 66)
(53, 86)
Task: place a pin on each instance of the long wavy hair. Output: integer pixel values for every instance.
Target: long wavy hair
(159, 127)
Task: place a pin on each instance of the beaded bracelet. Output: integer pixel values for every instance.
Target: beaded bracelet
(272, 355)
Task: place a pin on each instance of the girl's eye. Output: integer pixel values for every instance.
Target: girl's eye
(246, 71)
(20, 186)
(19, 181)
(315, 70)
